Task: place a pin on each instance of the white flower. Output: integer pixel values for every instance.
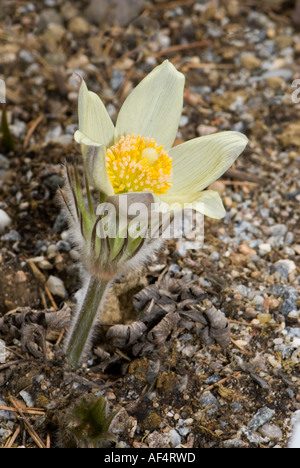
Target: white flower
(136, 155)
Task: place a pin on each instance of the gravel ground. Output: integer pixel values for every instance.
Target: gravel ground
(217, 363)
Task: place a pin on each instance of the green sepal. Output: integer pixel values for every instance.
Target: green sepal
(133, 246)
(118, 244)
(86, 214)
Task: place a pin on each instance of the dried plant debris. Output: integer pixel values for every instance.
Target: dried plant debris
(125, 335)
(162, 309)
(31, 327)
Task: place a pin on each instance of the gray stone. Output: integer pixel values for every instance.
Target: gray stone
(285, 267)
(258, 300)
(63, 246)
(6, 414)
(289, 305)
(116, 80)
(18, 128)
(49, 16)
(11, 236)
(289, 238)
(123, 11)
(215, 256)
(4, 162)
(262, 416)
(26, 56)
(2, 352)
(210, 401)
(277, 230)
(233, 443)
(27, 398)
(53, 182)
(60, 224)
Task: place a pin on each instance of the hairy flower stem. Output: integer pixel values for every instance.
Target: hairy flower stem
(84, 320)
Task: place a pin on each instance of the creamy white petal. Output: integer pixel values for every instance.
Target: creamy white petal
(210, 204)
(83, 139)
(154, 107)
(199, 162)
(207, 202)
(94, 155)
(93, 118)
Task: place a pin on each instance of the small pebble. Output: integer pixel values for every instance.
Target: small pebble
(215, 256)
(228, 202)
(60, 224)
(218, 186)
(117, 79)
(175, 438)
(45, 265)
(262, 416)
(26, 56)
(6, 415)
(11, 236)
(20, 277)
(4, 162)
(79, 26)
(285, 267)
(275, 82)
(271, 431)
(297, 248)
(294, 441)
(27, 398)
(246, 250)
(56, 286)
(251, 62)
(63, 246)
(5, 221)
(264, 318)
(51, 251)
(209, 400)
(184, 120)
(273, 303)
(203, 130)
(2, 352)
(277, 230)
(258, 300)
(264, 248)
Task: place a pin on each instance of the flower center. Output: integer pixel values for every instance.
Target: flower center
(138, 164)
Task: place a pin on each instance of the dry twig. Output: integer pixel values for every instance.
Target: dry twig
(21, 415)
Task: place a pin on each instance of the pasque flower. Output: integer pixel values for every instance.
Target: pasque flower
(136, 154)
(135, 159)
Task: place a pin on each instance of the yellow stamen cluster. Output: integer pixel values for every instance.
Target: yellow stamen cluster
(138, 164)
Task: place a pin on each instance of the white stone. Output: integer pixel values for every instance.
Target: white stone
(56, 286)
(294, 441)
(174, 438)
(288, 265)
(27, 398)
(258, 300)
(2, 352)
(271, 431)
(5, 221)
(264, 248)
